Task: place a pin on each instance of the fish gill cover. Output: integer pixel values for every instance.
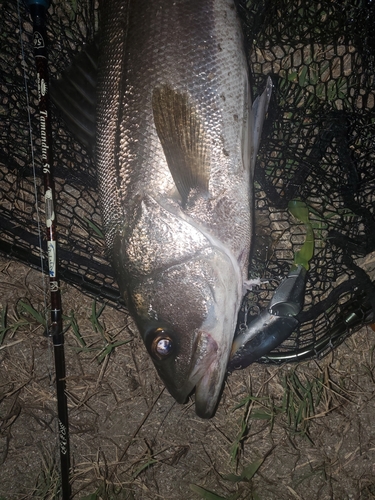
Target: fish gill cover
(318, 148)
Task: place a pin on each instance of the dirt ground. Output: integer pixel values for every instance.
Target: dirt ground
(308, 428)
(301, 431)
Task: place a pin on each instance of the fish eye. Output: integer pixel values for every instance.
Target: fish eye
(162, 343)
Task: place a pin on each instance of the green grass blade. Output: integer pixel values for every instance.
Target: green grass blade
(148, 464)
(95, 318)
(250, 470)
(94, 227)
(109, 348)
(29, 309)
(72, 322)
(205, 494)
(247, 473)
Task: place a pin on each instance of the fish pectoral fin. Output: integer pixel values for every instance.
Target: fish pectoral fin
(183, 139)
(259, 111)
(74, 94)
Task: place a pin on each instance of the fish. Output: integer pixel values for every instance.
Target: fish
(176, 142)
(177, 136)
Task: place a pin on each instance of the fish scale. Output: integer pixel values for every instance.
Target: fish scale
(188, 58)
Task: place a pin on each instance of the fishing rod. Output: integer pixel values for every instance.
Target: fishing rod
(38, 9)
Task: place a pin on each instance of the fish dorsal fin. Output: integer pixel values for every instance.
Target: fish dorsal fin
(75, 95)
(259, 111)
(183, 139)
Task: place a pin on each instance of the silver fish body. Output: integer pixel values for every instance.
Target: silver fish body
(176, 144)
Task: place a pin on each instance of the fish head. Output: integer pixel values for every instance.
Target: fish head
(186, 314)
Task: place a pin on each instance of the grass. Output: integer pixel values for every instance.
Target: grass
(29, 316)
(247, 474)
(303, 399)
(96, 229)
(256, 408)
(48, 481)
(47, 484)
(25, 316)
(210, 495)
(107, 493)
(109, 343)
(71, 322)
(109, 486)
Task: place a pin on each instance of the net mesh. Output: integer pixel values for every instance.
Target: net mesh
(318, 146)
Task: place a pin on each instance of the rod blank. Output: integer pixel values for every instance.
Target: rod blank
(38, 10)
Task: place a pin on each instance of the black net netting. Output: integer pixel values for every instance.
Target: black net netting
(318, 147)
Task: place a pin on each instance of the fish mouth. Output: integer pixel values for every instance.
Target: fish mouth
(207, 392)
(207, 376)
(208, 368)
